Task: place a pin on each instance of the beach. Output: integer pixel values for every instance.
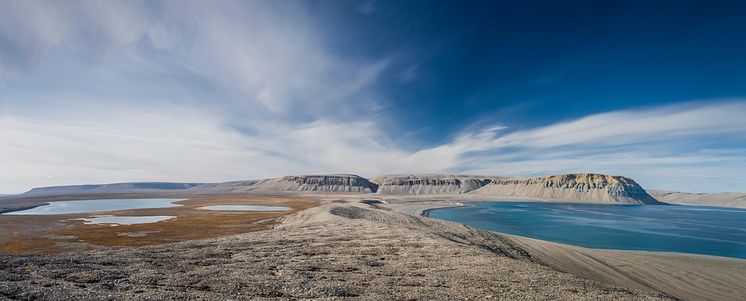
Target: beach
(684, 276)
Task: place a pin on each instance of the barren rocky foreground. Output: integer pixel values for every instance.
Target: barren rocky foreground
(338, 250)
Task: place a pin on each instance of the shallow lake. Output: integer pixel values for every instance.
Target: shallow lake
(124, 220)
(86, 206)
(246, 208)
(687, 229)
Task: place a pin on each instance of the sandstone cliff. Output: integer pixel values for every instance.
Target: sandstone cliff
(575, 187)
(233, 186)
(323, 183)
(572, 187)
(429, 184)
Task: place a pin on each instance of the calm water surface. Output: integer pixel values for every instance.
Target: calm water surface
(687, 229)
(86, 206)
(124, 220)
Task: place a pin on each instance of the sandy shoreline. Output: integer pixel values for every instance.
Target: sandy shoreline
(682, 275)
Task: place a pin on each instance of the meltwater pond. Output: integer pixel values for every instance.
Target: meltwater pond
(86, 206)
(687, 229)
(124, 220)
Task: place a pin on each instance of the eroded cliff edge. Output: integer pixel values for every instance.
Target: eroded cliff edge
(578, 187)
(586, 187)
(596, 188)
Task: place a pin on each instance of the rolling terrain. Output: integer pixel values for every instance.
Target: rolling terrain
(338, 250)
(345, 249)
(348, 237)
(719, 199)
(594, 188)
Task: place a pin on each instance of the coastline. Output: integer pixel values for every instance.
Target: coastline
(452, 261)
(341, 249)
(5, 211)
(682, 275)
(426, 212)
(424, 209)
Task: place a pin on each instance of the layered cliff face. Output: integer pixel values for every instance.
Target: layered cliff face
(233, 186)
(429, 184)
(326, 183)
(574, 187)
(594, 188)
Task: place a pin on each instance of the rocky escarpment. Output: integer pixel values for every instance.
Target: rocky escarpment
(324, 183)
(233, 186)
(575, 187)
(571, 187)
(110, 188)
(429, 184)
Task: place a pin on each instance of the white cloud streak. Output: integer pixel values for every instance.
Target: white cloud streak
(133, 144)
(229, 90)
(29, 29)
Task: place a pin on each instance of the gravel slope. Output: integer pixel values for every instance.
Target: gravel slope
(334, 251)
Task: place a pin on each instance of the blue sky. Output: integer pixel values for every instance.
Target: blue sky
(114, 91)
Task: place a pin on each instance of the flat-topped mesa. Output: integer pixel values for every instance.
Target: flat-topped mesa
(328, 183)
(591, 188)
(110, 188)
(576, 187)
(429, 184)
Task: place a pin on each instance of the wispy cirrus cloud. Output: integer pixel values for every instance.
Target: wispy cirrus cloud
(112, 91)
(129, 144)
(30, 29)
(634, 126)
(260, 55)
(692, 138)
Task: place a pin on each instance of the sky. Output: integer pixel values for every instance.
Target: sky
(209, 91)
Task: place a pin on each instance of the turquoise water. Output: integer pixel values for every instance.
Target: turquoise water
(686, 229)
(86, 206)
(246, 208)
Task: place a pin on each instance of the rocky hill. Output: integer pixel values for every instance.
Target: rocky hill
(320, 183)
(576, 187)
(109, 188)
(324, 183)
(429, 184)
(719, 199)
(571, 187)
